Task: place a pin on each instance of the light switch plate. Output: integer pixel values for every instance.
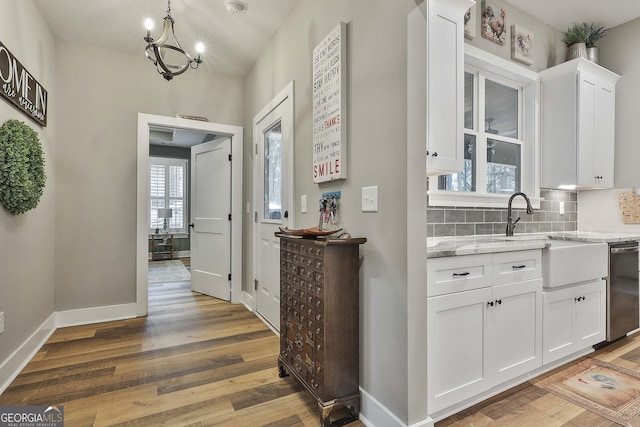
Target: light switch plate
(303, 203)
(1, 322)
(370, 199)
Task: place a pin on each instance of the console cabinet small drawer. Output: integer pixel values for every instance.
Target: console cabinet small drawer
(516, 266)
(458, 273)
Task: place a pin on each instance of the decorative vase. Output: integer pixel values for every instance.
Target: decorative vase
(576, 50)
(593, 54)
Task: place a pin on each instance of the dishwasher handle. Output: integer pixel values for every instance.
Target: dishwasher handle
(628, 250)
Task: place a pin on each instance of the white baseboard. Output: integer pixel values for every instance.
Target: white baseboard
(249, 301)
(423, 423)
(11, 367)
(86, 316)
(375, 414)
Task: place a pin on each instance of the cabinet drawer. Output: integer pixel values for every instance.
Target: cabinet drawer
(516, 266)
(458, 273)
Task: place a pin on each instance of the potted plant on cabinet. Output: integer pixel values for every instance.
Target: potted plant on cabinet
(575, 38)
(595, 34)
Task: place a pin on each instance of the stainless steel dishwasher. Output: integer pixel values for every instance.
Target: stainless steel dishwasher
(623, 310)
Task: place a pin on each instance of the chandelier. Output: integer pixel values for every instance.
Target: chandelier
(170, 60)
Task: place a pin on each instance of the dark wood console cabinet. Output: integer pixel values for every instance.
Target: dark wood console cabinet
(319, 318)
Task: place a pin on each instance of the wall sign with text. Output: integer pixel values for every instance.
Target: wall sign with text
(19, 87)
(329, 106)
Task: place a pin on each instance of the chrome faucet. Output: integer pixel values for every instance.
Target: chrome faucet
(511, 225)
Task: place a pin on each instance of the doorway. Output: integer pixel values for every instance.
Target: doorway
(272, 198)
(147, 122)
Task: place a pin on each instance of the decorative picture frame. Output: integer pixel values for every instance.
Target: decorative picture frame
(329, 112)
(521, 44)
(470, 19)
(494, 26)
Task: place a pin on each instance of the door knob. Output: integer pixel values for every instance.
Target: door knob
(286, 214)
(192, 225)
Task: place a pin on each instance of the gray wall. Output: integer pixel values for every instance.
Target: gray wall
(376, 139)
(620, 53)
(548, 48)
(97, 162)
(27, 267)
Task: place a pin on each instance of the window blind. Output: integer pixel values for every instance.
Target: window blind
(168, 189)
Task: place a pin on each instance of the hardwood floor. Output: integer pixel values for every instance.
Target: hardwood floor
(528, 405)
(199, 361)
(194, 360)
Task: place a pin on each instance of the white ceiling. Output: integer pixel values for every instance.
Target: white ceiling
(233, 42)
(560, 14)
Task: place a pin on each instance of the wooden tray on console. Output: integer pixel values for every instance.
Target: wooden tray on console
(308, 233)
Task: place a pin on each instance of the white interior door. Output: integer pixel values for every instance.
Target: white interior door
(273, 198)
(210, 214)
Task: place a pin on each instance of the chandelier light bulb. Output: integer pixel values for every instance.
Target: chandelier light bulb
(148, 24)
(200, 47)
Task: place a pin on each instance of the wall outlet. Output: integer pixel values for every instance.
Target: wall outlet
(561, 206)
(1, 322)
(303, 203)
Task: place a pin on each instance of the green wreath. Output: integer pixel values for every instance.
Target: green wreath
(22, 174)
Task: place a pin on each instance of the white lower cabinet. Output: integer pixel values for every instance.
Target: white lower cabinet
(574, 319)
(480, 338)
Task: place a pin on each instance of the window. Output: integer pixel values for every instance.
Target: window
(492, 152)
(168, 189)
(499, 137)
(273, 172)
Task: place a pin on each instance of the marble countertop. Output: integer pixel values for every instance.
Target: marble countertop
(479, 244)
(482, 244)
(594, 236)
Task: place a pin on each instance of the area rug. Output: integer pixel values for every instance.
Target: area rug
(608, 390)
(168, 271)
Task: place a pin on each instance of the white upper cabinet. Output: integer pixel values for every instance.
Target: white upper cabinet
(577, 125)
(445, 85)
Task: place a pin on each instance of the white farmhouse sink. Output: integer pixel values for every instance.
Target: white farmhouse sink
(566, 262)
(524, 237)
